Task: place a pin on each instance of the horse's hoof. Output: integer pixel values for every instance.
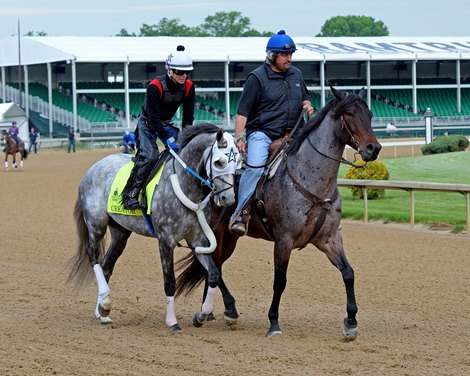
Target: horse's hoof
(104, 307)
(176, 329)
(199, 319)
(350, 332)
(196, 323)
(274, 333)
(274, 329)
(210, 317)
(106, 320)
(231, 322)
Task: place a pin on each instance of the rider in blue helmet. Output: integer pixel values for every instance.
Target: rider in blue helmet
(279, 43)
(273, 100)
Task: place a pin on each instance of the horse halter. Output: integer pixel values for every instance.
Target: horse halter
(223, 163)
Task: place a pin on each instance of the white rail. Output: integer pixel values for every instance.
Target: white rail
(411, 187)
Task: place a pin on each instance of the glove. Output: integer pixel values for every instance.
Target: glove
(171, 143)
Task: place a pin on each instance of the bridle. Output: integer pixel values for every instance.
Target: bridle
(211, 179)
(209, 182)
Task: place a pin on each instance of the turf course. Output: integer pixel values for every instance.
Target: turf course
(430, 207)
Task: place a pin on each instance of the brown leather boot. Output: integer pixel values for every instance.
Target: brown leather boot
(240, 227)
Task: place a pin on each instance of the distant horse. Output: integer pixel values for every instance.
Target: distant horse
(299, 205)
(11, 148)
(178, 211)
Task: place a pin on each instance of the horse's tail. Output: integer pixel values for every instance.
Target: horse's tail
(81, 273)
(25, 153)
(192, 276)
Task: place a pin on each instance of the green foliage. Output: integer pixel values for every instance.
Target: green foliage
(221, 24)
(168, 27)
(35, 34)
(353, 26)
(375, 170)
(446, 144)
(125, 33)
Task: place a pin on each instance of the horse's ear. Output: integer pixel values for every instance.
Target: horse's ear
(220, 134)
(362, 93)
(338, 94)
(221, 141)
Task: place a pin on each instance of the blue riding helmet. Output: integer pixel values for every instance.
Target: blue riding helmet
(280, 42)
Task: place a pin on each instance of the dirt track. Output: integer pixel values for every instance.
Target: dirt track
(412, 288)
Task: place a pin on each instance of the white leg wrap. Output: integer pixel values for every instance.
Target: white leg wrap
(103, 287)
(170, 311)
(208, 305)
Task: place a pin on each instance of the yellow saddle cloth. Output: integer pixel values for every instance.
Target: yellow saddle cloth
(114, 198)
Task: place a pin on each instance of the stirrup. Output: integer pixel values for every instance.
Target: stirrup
(240, 227)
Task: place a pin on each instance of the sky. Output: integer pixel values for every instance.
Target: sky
(299, 18)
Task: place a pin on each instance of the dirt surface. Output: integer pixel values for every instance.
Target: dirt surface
(412, 288)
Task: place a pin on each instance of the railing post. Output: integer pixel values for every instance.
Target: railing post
(366, 213)
(467, 206)
(412, 208)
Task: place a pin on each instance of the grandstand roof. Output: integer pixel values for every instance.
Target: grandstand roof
(40, 50)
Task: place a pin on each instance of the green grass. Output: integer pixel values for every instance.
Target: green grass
(430, 207)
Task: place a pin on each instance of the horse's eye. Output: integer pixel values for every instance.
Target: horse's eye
(220, 163)
(349, 113)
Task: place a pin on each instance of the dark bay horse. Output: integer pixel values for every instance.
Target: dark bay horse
(299, 205)
(11, 148)
(178, 211)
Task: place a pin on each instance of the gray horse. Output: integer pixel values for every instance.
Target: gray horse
(299, 205)
(202, 172)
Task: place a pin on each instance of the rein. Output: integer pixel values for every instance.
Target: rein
(342, 160)
(189, 169)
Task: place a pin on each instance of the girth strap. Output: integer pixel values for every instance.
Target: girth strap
(325, 204)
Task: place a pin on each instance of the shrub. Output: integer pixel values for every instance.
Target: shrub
(446, 144)
(374, 170)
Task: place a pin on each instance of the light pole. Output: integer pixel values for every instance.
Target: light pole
(428, 125)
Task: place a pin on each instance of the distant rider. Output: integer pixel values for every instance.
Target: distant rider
(14, 132)
(128, 142)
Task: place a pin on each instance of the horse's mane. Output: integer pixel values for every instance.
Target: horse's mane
(190, 132)
(336, 106)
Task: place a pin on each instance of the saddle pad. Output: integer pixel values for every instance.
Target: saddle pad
(120, 180)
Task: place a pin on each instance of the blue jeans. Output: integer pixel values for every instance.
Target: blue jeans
(71, 146)
(257, 155)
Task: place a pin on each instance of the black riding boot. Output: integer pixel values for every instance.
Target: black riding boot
(135, 183)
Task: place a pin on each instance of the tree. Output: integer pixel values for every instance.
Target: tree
(230, 24)
(221, 24)
(226, 24)
(353, 26)
(125, 33)
(166, 27)
(35, 34)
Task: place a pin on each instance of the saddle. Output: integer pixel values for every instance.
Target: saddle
(276, 153)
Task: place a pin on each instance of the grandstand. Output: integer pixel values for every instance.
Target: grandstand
(98, 84)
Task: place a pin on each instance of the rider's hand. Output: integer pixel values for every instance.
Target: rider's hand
(309, 109)
(241, 146)
(171, 143)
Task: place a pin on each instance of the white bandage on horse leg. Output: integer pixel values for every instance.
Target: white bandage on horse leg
(103, 287)
(170, 311)
(208, 305)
